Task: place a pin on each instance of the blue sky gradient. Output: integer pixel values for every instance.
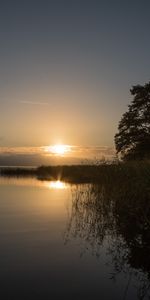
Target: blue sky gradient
(67, 68)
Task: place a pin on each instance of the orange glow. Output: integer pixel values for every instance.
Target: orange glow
(58, 185)
(59, 150)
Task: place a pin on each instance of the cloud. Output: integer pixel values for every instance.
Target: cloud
(75, 151)
(33, 102)
(94, 151)
(36, 156)
(21, 150)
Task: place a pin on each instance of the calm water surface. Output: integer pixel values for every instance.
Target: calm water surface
(52, 249)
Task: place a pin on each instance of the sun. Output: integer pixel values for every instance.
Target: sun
(59, 149)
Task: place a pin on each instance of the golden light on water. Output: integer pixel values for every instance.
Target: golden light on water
(59, 150)
(58, 185)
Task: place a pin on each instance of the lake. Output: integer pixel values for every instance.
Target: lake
(54, 244)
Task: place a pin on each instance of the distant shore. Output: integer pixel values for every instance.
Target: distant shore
(84, 173)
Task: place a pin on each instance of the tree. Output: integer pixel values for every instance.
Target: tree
(133, 138)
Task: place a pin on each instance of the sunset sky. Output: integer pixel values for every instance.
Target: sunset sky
(66, 68)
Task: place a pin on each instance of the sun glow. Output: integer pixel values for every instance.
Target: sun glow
(58, 185)
(59, 149)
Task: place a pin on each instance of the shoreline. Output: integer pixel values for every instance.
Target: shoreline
(103, 173)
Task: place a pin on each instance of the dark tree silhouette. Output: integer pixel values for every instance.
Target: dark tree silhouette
(133, 138)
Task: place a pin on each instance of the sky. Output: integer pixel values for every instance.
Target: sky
(66, 69)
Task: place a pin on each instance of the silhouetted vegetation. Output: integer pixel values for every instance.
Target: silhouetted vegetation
(118, 213)
(137, 172)
(133, 138)
(74, 173)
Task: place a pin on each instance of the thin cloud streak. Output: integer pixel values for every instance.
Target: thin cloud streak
(21, 150)
(75, 151)
(33, 103)
(35, 156)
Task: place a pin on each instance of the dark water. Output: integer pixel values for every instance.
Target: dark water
(54, 244)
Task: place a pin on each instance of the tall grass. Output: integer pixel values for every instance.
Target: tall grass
(116, 208)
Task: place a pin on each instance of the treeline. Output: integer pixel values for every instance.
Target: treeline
(104, 173)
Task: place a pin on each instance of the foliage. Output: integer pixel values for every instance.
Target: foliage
(133, 138)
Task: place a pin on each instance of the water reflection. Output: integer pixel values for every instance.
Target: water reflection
(111, 222)
(117, 219)
(58, 185)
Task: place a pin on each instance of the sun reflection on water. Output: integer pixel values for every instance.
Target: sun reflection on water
(59, 185)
